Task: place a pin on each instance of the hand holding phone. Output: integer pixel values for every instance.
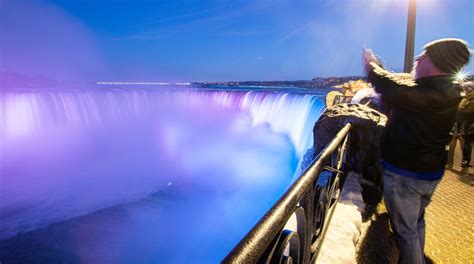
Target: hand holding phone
(368, 56)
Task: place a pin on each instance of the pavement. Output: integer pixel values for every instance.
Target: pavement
(450, 217)
(449, 224)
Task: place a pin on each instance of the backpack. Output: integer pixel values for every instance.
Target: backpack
(466, 106)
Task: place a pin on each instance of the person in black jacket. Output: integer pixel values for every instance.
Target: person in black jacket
(414, 147)
(463, 130)
(466, 126)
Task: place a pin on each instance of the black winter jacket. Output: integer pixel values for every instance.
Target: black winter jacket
(423, 114)
(466, 115)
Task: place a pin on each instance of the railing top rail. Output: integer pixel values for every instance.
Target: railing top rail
(252, 246)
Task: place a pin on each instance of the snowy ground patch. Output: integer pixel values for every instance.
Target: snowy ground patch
(344, 229)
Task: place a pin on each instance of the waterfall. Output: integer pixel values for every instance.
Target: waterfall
(24, 113)
(65, 155)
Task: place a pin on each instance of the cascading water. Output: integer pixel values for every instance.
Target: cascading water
(144, 176)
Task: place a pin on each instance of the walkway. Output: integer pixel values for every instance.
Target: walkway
(449, 224)
(450, 218)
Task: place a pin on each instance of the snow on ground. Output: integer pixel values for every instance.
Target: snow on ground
(344, 229)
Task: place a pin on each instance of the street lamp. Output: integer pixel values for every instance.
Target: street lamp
(410, 43)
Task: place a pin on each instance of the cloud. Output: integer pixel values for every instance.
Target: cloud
(145, 37)
(175, 18)
(209, 21)
(244, 33)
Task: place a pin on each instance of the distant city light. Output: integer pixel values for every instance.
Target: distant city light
(141, 83)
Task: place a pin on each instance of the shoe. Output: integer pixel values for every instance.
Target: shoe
(465, 164)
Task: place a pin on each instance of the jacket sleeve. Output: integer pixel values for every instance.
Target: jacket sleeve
(398, 90)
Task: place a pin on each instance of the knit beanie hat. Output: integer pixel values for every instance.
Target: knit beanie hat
(448, 55)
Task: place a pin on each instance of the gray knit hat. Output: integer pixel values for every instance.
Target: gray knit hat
(448, 55)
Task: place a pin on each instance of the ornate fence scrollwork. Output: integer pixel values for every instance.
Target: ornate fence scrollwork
(311, 199)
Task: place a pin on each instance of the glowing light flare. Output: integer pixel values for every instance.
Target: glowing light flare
(461, 76)
(401, 4)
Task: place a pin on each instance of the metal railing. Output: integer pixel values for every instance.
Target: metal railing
(312, 204)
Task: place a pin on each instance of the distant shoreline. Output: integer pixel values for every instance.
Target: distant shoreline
(314, 83)
(13, 80)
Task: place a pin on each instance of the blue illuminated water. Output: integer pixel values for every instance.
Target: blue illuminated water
(144, 175)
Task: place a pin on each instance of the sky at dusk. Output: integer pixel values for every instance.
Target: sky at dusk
(215, 40)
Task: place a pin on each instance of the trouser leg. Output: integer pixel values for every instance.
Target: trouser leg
(425, 200)
(421, 229)
(467, 148)
(403, 205)
(428, 191)
(452, 148)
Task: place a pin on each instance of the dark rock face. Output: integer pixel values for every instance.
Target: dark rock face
(364, 140)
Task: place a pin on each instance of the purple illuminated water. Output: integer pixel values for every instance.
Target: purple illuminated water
(143, 176)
